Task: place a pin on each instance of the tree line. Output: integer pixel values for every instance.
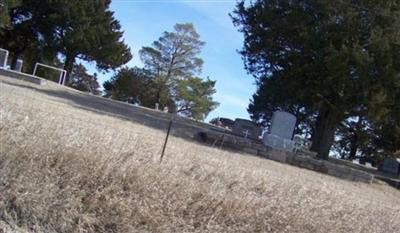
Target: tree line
(62, 33)
(333, 64)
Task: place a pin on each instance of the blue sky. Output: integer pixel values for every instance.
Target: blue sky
(144, 21)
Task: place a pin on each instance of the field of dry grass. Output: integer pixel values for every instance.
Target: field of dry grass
(66, 169)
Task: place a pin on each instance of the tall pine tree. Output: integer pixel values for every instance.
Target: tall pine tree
(330, 58)
(174, 62)
(173, 56)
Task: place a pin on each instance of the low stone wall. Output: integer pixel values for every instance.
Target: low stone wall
(329, 168)
(301, 159)
(22, 76)
(392, 182)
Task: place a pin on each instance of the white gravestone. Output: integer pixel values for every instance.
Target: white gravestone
(283, 124)
(18, 66)
(3, 58)
(278, 142)
(282, 127)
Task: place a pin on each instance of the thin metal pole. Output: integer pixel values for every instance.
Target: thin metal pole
(34, 70)
(166, 140)
(64, 77)
(222, 141)
(60, 78)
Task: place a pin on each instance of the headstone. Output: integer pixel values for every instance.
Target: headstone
(281, 133)
(282, 124)
(277, 142)
(355, 161)
(18, 66)
(223, 122)
(273, 140)
(3, 58)
(390, 165)
(246, 128)
(369, 165)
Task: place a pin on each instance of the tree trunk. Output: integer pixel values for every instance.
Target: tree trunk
(324, 133)
(158, 96)
(353, 148)
(68, 66)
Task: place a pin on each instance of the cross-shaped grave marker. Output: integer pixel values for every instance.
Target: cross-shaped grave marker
(246, 133)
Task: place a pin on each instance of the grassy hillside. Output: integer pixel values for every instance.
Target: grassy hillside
(67, 169)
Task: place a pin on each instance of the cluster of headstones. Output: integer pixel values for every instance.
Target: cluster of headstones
(18, 66)
(3, 61)
(280, 135)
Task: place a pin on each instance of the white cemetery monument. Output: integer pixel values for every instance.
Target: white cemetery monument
(18, 66)
(3, 58)
(281, 133)
(283, 124)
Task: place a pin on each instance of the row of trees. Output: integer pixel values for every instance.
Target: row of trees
(334, 64)
(60, 33)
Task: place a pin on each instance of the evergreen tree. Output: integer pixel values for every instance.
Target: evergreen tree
(89, 31)
(18, 33)
(352, 135)
(329, 57)
(194, 97)
(174, 55)
(74, 29)
(174, 61)
(83, 81)
(132, 85)
(6, 7)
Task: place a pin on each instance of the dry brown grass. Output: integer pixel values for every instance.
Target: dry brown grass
(64, 169)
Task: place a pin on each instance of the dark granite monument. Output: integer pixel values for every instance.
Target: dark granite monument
(246, 129)
(390, 165)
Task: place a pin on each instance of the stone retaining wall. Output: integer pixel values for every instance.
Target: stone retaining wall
(22, 76)
(300, 159)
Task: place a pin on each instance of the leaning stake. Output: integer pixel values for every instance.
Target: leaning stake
(166, 140)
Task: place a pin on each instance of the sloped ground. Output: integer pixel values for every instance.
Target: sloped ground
(67, 169)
